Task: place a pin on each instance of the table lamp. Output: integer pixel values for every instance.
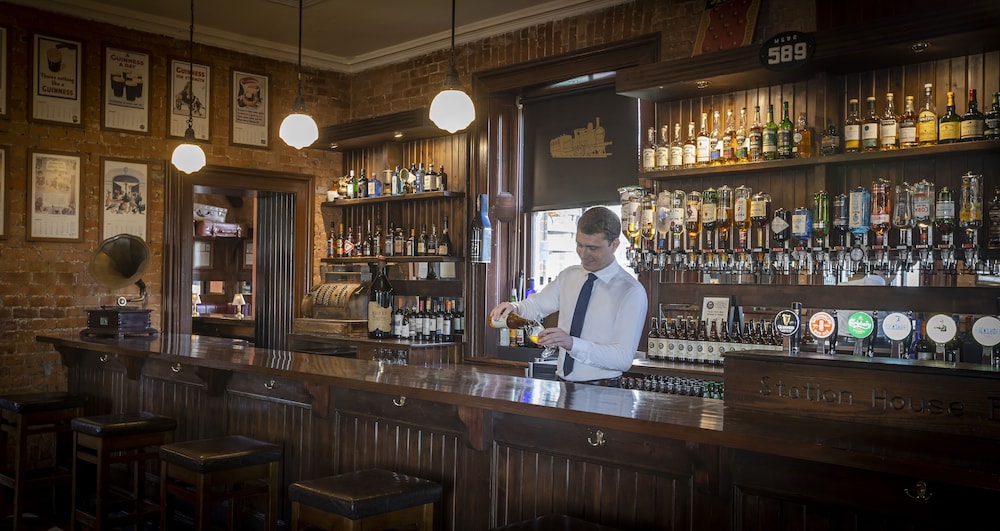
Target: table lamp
(195, 301)
(238, 302)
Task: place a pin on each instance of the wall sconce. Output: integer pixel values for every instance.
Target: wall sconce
(238, 302)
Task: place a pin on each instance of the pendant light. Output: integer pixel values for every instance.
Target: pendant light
(298, 129)
(452, 108)
(188, 157)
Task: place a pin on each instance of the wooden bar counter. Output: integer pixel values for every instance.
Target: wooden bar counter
(509, 449)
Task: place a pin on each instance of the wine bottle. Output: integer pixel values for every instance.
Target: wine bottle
(380, 305)
(991, 129)
(481, 245)
(972, 121)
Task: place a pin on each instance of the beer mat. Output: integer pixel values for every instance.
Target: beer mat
(726, 24)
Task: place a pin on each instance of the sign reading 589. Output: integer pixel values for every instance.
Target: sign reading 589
(787, 50)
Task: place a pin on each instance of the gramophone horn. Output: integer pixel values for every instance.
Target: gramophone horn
(119, 261)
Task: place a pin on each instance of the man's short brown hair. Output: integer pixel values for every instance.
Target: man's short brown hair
(600, 220)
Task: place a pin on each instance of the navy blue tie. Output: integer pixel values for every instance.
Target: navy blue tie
(579, 314)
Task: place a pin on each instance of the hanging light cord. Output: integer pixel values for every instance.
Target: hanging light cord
(452, 32)
(300, 48)
(190, 121)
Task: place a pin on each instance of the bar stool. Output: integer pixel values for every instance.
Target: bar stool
(210, 470)
(106, 440)
(366, 499)
(27, 415)
(554, 522)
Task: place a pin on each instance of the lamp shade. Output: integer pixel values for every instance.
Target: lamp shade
(452, 110)
(188, 158)
(298, 130)
(238, 300)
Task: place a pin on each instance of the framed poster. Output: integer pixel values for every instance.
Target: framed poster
(3, 192)
(190, 91)
(125, 98)
(249, 106)
(57, 85)
(3, 71)
(54, 197)
(124, 188)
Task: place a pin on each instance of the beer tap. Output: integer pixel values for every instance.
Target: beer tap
(971, 218)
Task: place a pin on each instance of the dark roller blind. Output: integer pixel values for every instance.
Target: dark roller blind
(579, 147)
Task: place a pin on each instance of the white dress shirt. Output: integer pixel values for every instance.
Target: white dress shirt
(612, 329)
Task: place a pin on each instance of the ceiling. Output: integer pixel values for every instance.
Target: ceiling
(340, 35)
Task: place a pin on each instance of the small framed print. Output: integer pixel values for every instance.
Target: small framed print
(54, 197)
(249, 109)
(202, 258)
(3, 192)
(4, 67)
(190, 92)
(57, 86)
(248, 254)
(125, 99)
(124, 189)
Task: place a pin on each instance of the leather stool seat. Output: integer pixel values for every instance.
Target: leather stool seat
(27, 415)
(555, 522)
(129, 439)
(359, 495)
(209, 470)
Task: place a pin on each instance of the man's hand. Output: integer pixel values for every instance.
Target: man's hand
(501, 311)
(555, 337)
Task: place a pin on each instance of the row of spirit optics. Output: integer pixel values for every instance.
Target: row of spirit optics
(736, 230)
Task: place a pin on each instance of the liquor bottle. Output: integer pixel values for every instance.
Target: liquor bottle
(829, 143)
(821, 217)
(852, 128)
(380, 305)
(481, 247)
(362, 245)
(970, 213)
(769, 148)
(802, 225)
(724, 215)
(653, 340)
(741, 137)
(422, 241)
(927, 120)
(993, 216)
(398, 243)
(410, 245)
(888, 126)
(428, 322)
(352, 185)
(991, 129)
(923, 347)
(676, 160)
(944, 214)
(859, 211)
(404, 329)
(785, 131)
(663, 149)
(458, 319)
(397, 319)
(870, 127)
(363, 184)
(709, 214)
(649, 151)
(692, 218)
(676, 215)
(374, 186)
(330, 253)
(950, 123)
(802, 138)
(923, 211)
(881, 216)
(908, 126)
(690, 154)
(715, 141)
(348, 243)
(429, 182)
(432, 241)
(512, 321)
(841, 227)
(973, 123)
(953, 348)
(729, 139)
(760, 215)
(444, 247)
(781, 226)
(388, 249)
(902, 212)
(704, 153)
(443, 179)
(755, 139)
(741, 215)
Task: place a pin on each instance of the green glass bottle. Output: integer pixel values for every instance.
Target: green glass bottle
(770, 136)
(785, 133)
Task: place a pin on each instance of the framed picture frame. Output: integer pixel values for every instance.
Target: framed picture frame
(248, 254)
(54, 197)
(4, 72)
(190, 91)
(124, 189)
(250, 120)
(202, 257)
(125, 100)
(4, 211)
(57, 80)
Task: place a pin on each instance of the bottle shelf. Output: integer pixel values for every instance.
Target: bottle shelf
(829, 160)
(423, 196)
(390, 259)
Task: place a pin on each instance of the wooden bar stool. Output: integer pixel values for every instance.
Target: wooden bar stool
(364, 500)
(107, 440)
(555, 522)
(222, 469)
(28, 415)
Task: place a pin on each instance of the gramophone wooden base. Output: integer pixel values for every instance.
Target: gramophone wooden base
(118, 322)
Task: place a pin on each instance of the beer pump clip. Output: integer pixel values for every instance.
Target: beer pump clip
(823, 326)
(897, 328)
(788, 323)
(986, 332)
(861, 326)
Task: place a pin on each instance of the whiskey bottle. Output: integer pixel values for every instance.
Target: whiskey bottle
(972, 122)
(870, 127)
(649, 151)
(991, 130)
(993, 217)
(690, 154)
(443, 180)
(888, 129)
(422, 241)
(927, 120)
(741, 215)
(729, 139)
(881, 216)
(724, 215)
(950, 123)
(760, 215)
(676, 149)
(444, 247)
(829, 143)
(663, 149)
(770, 136)
(709, 214)
(755, 139)
(802, 138)
(692, 218)
(785, 130)
(923, 210)
(704, 153)
(741, 137)
(410, 245)
(852, 128)
(970, 212)
(908, 125)
(363, 184)
(398, 243)
(715, 141)
(432, 242)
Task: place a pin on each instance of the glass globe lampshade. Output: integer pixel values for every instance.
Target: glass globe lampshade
(298, 129)
(452, 109)
(188, 157)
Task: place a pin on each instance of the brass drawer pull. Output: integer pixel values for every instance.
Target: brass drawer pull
(176, 367)
(919, 492)
(270, 384)
(599, 440)
(103, 358)
(399, 402)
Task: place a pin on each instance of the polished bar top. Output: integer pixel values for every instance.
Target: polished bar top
(648, 413)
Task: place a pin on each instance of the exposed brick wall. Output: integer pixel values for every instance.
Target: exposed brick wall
(44, 287)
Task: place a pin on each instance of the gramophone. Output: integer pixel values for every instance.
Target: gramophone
(119, 261)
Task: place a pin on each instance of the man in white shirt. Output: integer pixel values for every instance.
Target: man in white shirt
(614, 311)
